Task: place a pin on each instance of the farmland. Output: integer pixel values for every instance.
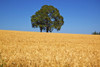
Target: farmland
(35, 49)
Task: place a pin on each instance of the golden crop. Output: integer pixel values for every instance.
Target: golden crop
(34, 49)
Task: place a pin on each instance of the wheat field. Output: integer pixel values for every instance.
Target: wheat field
(35, 49)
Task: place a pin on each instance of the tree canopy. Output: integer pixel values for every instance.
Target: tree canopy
(47, 18)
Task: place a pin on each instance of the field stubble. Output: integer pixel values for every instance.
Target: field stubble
(34, 49)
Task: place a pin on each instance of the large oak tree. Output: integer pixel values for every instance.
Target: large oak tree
(47, 18)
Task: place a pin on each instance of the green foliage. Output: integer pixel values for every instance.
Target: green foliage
(96, 33)
(47, 18)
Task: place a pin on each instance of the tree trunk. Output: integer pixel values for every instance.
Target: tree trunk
(50, 31)
(47, 29)
(40, 29)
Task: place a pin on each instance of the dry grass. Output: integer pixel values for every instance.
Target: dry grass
(34, 49)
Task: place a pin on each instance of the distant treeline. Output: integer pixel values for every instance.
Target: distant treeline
(96, 33)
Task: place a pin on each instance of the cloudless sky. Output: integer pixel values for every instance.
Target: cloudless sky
(80, 16)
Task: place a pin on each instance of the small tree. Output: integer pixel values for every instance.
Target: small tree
(94, 33)
(47, 18)
(99, 33)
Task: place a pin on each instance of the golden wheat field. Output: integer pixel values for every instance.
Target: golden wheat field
(34, 49)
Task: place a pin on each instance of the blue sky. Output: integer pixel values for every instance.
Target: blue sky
(80, 16)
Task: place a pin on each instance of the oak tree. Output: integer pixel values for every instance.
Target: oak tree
(47, 18)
